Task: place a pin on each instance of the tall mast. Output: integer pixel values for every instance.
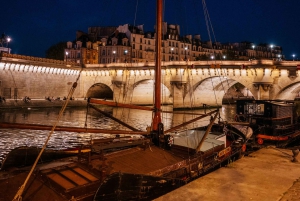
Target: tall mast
(157, 88)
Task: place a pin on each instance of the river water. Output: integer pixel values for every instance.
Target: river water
(81, 117)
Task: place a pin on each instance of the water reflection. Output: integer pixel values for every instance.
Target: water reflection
(81, 117)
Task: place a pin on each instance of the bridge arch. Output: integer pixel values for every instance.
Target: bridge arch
(100, 90)
(143, 93)
(289, 92)
(216, 88)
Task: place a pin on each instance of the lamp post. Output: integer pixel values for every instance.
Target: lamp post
(8, 40)
(293, 57)
(279, 57)
(125, 53)
(224, 57)
(172, 54)
(212, 57)
(114, 53)
(185, 49)
(253, 46)
(271, 46)
(67, 53)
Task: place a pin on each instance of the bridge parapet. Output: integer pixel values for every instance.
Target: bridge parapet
(200, 64)
(23, 59)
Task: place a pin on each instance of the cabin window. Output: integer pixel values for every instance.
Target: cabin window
(257, 109)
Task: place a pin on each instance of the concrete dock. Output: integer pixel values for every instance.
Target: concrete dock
(265, 175)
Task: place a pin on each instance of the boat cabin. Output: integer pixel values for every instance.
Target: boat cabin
(277, 117)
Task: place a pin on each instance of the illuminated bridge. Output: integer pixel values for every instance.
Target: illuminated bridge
(184, 84)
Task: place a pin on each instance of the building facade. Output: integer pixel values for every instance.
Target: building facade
(128, 43)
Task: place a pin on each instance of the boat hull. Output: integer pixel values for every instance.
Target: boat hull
(124, 186)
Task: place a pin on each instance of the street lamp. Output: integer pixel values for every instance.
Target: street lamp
(271, 46)
(114, 53)
(253, 46)
(212, 57)
(293, 57)
(8, 40)
(185, 49)
(279, 57)
(224, 57)
(67, 53)
(172, 54)
(125, 53)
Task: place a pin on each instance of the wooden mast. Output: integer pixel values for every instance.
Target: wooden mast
(157, 88)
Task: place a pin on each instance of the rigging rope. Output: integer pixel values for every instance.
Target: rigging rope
(209, 25)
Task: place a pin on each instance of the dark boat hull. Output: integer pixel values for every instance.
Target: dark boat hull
(124, 186)
(274, 122)
(150, 185)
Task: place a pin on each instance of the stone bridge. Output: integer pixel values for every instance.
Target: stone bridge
(184, 84)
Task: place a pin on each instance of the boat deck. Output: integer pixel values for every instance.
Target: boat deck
(137, 160)
(57, 182)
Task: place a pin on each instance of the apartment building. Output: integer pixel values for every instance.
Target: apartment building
(131, 44)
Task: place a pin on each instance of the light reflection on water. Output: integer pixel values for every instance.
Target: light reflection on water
(78, 117)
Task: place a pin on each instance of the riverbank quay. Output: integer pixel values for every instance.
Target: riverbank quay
(265, 175)
(34, 103)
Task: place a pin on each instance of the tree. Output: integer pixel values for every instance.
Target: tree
(56, 51)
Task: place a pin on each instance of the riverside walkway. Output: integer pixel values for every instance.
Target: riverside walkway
(19, 103)
(265, 175)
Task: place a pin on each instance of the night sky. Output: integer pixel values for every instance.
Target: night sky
(35, 25)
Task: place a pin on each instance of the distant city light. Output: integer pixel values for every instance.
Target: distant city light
(293, 56)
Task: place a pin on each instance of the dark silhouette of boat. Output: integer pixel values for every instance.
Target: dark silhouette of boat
(274, 122)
